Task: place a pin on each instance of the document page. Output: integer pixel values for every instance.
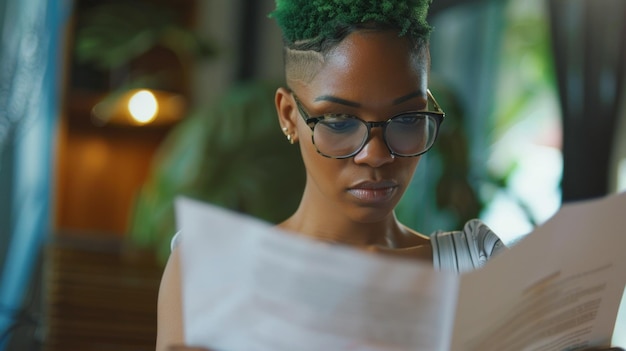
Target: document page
(557, 289)
(250, 287)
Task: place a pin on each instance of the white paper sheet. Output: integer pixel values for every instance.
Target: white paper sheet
(559, 288)
(249, 287)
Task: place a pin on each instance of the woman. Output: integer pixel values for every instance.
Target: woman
(357, 103)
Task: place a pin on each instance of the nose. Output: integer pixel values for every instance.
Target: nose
(375, 152)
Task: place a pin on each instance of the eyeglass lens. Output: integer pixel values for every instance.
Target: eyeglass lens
(405, 135)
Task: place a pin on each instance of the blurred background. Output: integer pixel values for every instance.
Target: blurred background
(110, 109)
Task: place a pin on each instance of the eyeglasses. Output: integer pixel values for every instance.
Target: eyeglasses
(408, 134)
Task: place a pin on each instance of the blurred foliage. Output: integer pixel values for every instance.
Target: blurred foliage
(454, 193)
(441, 195)
(447, 190)
(233, 155)
(526, 69)
(112, 33)
(527, 80)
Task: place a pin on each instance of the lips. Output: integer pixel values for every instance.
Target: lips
(374, 191)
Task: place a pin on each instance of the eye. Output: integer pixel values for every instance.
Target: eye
(340, 123)
(408, 119)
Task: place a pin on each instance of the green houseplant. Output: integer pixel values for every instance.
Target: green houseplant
(231, 154)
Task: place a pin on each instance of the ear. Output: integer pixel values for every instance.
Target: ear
(287, 112)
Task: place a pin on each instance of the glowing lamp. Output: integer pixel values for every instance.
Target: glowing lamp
(143, 106)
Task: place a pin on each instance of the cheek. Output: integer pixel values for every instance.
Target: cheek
(316, 163)
(313, 162)
(408, 167)
(321, 169)
(309, 153)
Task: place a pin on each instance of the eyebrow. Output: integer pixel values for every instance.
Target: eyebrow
(356, 104)
(337, 100)
(408, 97)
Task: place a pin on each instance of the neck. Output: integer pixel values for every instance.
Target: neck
(330, 224)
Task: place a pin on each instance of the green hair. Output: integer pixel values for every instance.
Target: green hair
(319, 20)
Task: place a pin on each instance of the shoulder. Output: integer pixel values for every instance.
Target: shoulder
(465, 250)
(169, 308)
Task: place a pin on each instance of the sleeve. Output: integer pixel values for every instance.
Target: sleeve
(466, 250)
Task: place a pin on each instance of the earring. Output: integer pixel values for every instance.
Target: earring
(289, 137)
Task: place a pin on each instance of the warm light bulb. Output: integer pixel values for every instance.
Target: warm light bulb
(143, 106)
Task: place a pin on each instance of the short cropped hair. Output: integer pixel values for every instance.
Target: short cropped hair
(304, 58)
(311, 28)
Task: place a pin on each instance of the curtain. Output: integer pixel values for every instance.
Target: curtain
(30, 48)
(589, 44)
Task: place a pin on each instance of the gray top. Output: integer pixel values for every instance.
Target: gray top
(465, 250)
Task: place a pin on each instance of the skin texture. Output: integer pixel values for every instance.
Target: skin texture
(376, 76)
(169, 308)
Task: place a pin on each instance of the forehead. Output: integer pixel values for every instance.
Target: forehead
(370, 66)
